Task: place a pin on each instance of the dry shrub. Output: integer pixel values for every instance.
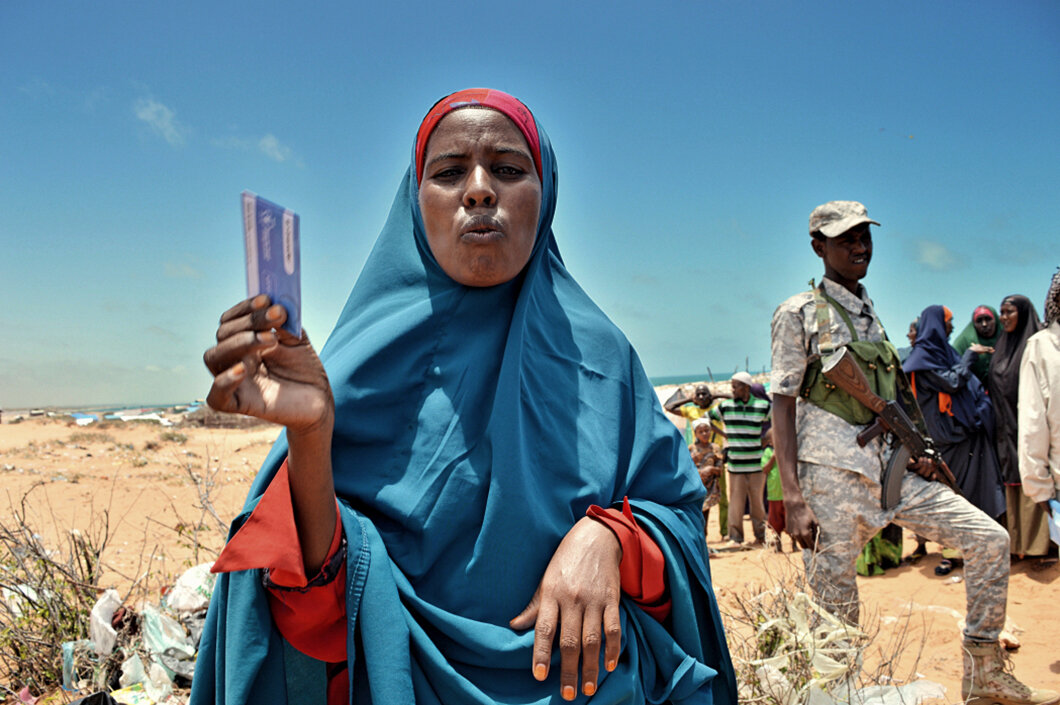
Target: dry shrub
(205, 417)
(89, 437)
(47, 596)
(785, 646)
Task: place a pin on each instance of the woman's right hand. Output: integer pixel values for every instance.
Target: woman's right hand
(262, 370)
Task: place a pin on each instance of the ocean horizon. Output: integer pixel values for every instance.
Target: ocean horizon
(665, 380)
(112, 407)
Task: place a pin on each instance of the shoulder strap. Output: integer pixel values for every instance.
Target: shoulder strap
(824, 319)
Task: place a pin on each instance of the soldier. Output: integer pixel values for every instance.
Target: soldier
(832, 485)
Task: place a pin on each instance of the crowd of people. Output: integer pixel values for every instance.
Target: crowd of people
(984, 405)
(967, 393)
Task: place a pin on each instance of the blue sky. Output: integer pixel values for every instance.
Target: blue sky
(693, 140)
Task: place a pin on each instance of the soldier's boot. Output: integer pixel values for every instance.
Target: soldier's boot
(988, 679)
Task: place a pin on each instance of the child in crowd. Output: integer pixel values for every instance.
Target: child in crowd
(708, 461)
(774, 492)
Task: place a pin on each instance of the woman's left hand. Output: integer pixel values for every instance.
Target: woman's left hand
(577, 596)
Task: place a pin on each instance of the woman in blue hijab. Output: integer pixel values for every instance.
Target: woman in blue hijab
(470, 407)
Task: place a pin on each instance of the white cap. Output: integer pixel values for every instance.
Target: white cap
(744, 377)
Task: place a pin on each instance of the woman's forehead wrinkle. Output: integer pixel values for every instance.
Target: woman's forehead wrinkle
(447, 155)
(496, 150)
(512, 150)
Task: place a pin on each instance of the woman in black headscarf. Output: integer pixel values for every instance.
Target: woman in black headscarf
(1026, 521)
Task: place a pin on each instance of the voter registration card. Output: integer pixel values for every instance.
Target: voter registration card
(274, 263)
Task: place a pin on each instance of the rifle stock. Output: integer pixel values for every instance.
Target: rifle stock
(844, 372)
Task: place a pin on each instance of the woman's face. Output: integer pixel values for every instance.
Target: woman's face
(480, 197)
(985, 325)
(1009, 317)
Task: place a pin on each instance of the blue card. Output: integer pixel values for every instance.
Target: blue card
(274, 263)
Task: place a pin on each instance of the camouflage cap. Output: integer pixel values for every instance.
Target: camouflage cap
(836, 217)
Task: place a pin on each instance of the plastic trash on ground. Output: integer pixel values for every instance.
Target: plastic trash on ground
(100, 698)
(194, 622)
(132, 672)
(99, 628)
(78, 660)
(192, 590)
(132, 695)
(179, 666)
(158, 686)
(909, 694)
(25, 697)
(162, 633)
(16, 597)
(776, 684)
(171, 652)
(834, 651)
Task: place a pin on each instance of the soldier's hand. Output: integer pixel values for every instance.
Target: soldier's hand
(801, 522)
(926, 468)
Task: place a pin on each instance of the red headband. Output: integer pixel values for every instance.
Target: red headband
(982, 311)
(508, 105)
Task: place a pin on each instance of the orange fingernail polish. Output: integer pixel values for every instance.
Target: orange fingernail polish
(612, 665)
(568, 692)
(540, 671)
(589, 689)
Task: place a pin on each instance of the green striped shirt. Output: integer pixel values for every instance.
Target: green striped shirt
(743, 425)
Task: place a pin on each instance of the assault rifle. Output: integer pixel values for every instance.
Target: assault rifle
(842, 370)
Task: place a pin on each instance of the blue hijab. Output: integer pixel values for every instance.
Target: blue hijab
(474, 426)
(932, 352)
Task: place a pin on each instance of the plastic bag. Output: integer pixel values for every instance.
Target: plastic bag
(192, 590)
(162, 633)
(194, 622)
(132, 695)
(132, 672)
(158, 686)
(99, 628)
(77, 663)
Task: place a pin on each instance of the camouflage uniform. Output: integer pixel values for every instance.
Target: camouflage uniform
(841, 481)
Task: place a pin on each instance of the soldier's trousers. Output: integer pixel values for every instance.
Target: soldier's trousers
(847, 505)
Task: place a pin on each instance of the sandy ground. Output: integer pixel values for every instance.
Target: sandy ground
(68, 477)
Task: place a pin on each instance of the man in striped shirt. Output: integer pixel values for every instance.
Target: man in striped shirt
(743, 416)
